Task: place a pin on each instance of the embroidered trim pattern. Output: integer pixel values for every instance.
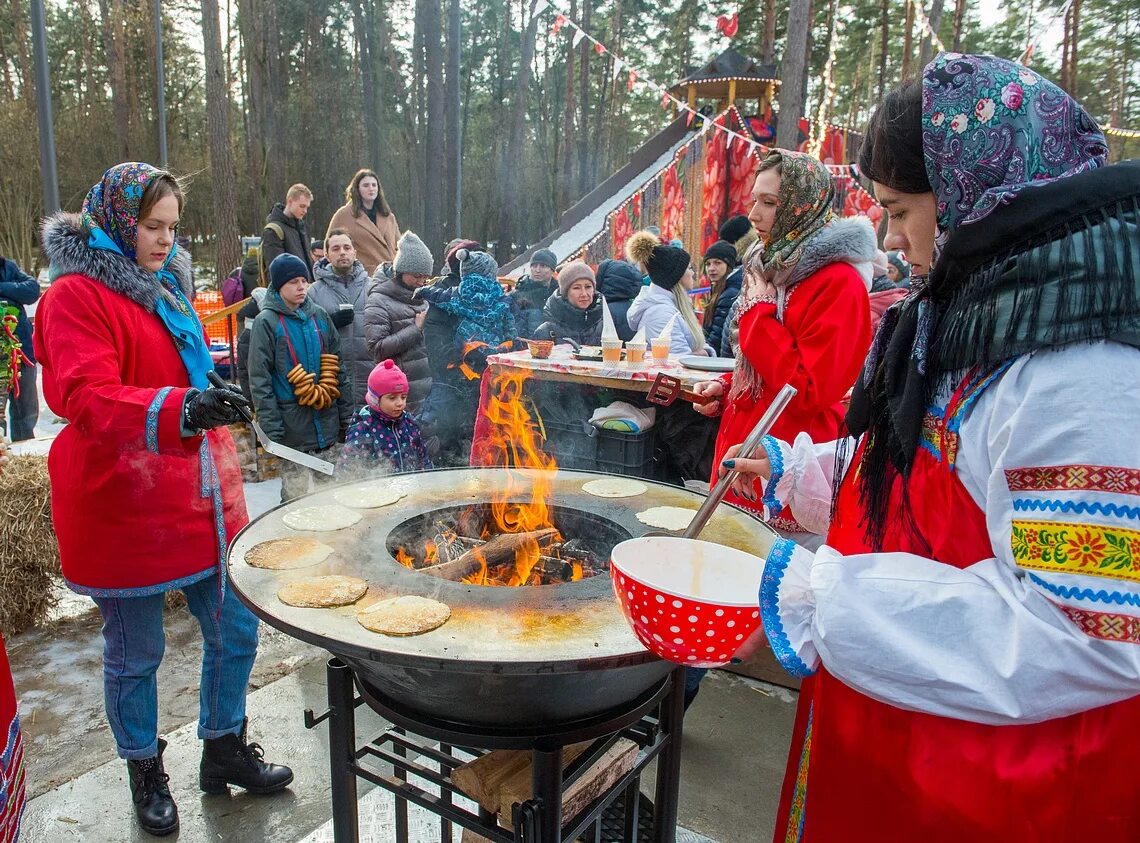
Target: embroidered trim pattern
(1068, 478)
(1111, 510)
(145, 590)
(774, 568)
(1077, 548)
(940, 426)
(152, 418)
(788, 525)
(1121, 598)
(776, 458)
(1108, 626)
(13, 782)
(798, 809)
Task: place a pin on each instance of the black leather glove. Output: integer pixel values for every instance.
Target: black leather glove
(215, 408)
(342, 317)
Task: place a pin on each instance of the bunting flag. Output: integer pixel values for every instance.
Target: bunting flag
(665, 100)
(598, 48)
(559, 22)
(541, 6)
(632, 80)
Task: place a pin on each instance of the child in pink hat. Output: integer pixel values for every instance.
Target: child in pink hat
(383, 435)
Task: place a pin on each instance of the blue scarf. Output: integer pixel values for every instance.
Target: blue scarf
(178, 316)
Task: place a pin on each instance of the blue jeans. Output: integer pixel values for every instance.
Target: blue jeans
(133, 644)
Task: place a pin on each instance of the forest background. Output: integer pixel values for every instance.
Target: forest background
(264, 93)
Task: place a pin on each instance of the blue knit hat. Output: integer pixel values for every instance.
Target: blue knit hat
(285, 268)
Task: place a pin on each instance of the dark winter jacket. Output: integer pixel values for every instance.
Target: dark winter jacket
(330, 291)
(439, 331)
(296, 241)
(482, 307)
(722, 306)
(391, 332)
(249, 274)
(568, 322)
(376, 440)
(246, 317)
(620, 282)
(17, 289)
(527, 301)
(311, 333)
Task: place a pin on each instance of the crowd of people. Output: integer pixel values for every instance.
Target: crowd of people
(955, 575)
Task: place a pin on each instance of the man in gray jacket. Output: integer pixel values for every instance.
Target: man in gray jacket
(394, 315)
(341, 288)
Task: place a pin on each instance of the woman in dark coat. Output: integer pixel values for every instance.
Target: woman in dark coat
(619, 282)
(574, 311)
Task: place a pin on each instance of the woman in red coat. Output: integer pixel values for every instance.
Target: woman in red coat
(802, 318)
(13, 783)
(146, 486)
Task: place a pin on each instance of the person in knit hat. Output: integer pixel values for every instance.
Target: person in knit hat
(530, 294)
(740, 232)
(479, 301)
(574, 310)
(898, 270)
(671, 278)
(294, 347)
(725, 282)
(383, 435)
(394, 316)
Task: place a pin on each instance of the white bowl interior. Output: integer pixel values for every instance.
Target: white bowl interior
(698, 570)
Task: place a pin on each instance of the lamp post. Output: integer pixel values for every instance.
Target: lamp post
(48, 172)
(160, 84)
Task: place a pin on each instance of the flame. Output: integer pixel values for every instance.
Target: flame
(522, 504)
(405, 558)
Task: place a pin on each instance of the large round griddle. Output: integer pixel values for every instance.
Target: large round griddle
(507, 656)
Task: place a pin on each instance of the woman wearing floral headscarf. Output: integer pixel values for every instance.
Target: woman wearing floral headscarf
(146, 485)
(802, 317)
(970, 633)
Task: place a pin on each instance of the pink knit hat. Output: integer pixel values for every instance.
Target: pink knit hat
(385, 377)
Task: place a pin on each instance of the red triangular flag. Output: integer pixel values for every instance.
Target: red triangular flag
(598, 48)
(559, 22)
(689, 118)
(665, 99)
(632, 79)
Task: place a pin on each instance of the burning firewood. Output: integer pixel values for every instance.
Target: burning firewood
(498, 551)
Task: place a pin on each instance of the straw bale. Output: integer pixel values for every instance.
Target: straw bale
(28, 550)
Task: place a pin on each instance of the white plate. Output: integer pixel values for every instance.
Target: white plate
(708, 364)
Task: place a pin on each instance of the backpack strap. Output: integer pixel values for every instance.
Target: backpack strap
(262, 269)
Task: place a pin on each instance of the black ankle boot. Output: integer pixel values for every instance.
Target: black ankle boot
(154, 807)
(230, 760)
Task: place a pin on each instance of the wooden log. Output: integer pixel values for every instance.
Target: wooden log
(602, 775)
(499, 550)
(483, 778)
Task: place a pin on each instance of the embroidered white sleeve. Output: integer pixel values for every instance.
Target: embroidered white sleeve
(1022, 636)
(802, 477)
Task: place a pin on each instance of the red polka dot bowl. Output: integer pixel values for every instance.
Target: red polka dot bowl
(691, 602)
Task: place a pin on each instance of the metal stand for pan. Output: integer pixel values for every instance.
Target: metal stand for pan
(423, 748)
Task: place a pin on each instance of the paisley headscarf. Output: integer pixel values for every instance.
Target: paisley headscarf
(991, 129)
(804, 208)
(112, 205)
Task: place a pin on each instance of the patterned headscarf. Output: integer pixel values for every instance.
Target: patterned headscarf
(113, 204)
(805, 200)
(991, 128)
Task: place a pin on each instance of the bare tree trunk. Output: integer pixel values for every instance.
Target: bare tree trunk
(1074, 53)
(452, 188)
(926, 51)
(434, 129)
(566, 183)
(368, 82)
(509, 205)
(884, 43)
(221, 156)
(768, 45)
(908, 40)
(584, 104)
(959, 23)
(794, 63)
(111, 12)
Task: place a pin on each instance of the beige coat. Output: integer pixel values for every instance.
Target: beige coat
(375, 244)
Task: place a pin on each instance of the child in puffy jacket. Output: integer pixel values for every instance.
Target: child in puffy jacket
(483, 308)
(382, 434)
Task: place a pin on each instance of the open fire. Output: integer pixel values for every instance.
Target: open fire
(512, 540)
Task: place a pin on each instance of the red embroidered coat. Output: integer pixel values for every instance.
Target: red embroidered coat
(13, 778)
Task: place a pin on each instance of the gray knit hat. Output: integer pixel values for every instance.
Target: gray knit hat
(571, 272)
(476, 263)
(544, 257)
(412, 256)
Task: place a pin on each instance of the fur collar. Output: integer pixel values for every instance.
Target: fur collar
(850, 240)
(65, 244)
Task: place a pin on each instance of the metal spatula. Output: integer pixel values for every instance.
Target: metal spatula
(271, 447)
(717, 493)
(666, 389)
